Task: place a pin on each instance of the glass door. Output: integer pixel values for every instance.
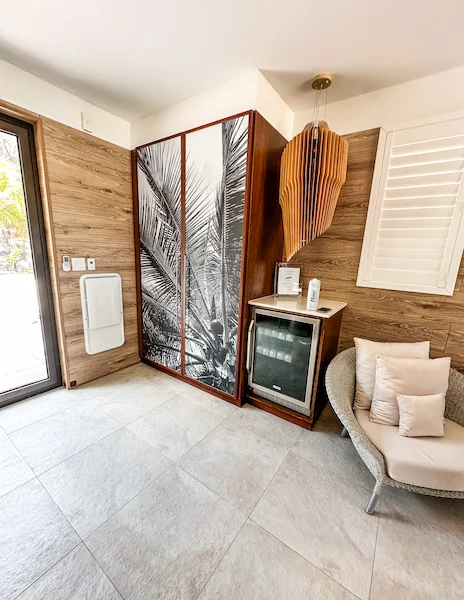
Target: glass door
(29, 361)
(284, 355)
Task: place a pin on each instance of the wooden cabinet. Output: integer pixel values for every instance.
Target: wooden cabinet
(208, 234)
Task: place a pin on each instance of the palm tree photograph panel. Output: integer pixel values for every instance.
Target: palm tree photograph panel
(215, 179)
(159, 188)
(215, 199)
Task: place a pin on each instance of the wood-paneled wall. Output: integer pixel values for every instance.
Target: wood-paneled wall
(376, 314)
(89, 212)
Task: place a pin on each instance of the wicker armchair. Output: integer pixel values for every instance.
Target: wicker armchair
(340, 385)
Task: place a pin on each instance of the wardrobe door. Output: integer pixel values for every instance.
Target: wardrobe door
(216, 162)
(159, 196)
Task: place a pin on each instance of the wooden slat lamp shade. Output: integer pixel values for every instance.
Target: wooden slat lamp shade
(312, 172)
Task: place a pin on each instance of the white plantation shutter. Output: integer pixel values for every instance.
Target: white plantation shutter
(414, 234)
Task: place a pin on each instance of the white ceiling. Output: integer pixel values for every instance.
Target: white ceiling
(133, 57)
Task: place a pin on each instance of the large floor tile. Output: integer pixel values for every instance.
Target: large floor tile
(34, 536)
(257, 566)
(321, 516)
(415, 559)
(25, 412)
(92, 485)
(324, 446)
(267, 426)
(141, 371)
(235, 463)
(206, 400)
(52, 440)
(167, 541)
(173, 383)
(14, 471)
(132, 400)
(76, 577)
(447, 513)
(114, 381)
(176, 426)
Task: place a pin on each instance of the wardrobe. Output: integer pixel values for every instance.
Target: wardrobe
(208, 233)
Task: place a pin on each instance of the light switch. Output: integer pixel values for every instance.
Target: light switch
(86, 122)
(78, 264)
(66, 263)
(91, 264)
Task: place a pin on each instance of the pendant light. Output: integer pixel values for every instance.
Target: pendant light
(313, 170)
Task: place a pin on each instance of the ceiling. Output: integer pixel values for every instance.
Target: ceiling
(133, 58)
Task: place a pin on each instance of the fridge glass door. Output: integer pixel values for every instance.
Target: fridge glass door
(284, 355)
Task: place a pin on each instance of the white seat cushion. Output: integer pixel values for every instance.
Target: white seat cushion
(436, 463)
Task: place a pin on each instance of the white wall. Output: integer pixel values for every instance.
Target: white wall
(34, 94)
(252, 91)
(249, 92)
(435, 94)
(227, 99)
(271, 106)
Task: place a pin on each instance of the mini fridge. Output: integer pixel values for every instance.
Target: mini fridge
(281, 357)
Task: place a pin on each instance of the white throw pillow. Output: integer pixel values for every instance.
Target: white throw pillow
(421, 416)
(408, 376)
(367, 352)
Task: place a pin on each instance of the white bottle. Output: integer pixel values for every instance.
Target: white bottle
(314, 289)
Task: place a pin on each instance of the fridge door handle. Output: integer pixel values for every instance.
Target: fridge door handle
(250, 333)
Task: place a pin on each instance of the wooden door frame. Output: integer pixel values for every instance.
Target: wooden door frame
(24, 133)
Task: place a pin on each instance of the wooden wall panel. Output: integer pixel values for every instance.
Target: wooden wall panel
(90, 213)
(376, 314)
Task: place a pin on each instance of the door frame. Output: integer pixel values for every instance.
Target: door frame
(37, 235)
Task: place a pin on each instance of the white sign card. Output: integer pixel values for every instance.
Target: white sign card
(288, 281)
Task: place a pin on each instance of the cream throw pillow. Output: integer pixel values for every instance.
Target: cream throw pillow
(408, 376)
(421, 415)
(367, 352)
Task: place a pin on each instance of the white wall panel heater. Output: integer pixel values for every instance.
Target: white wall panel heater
(102, 312)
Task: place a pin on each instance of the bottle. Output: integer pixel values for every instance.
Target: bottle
(314, 289)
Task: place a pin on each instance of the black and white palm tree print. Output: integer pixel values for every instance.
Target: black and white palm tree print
(215, 170)
(159, 188)
(215, 194)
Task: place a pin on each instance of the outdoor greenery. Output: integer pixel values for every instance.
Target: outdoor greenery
(14, 239)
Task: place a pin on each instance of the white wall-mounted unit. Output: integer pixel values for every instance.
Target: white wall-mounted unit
(414, 236)
(102, 311)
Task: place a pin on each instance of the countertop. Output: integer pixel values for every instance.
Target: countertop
(297, 305)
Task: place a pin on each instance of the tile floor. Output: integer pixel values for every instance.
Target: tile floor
(138, 486)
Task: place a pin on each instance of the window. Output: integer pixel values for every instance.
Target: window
(414, 234)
